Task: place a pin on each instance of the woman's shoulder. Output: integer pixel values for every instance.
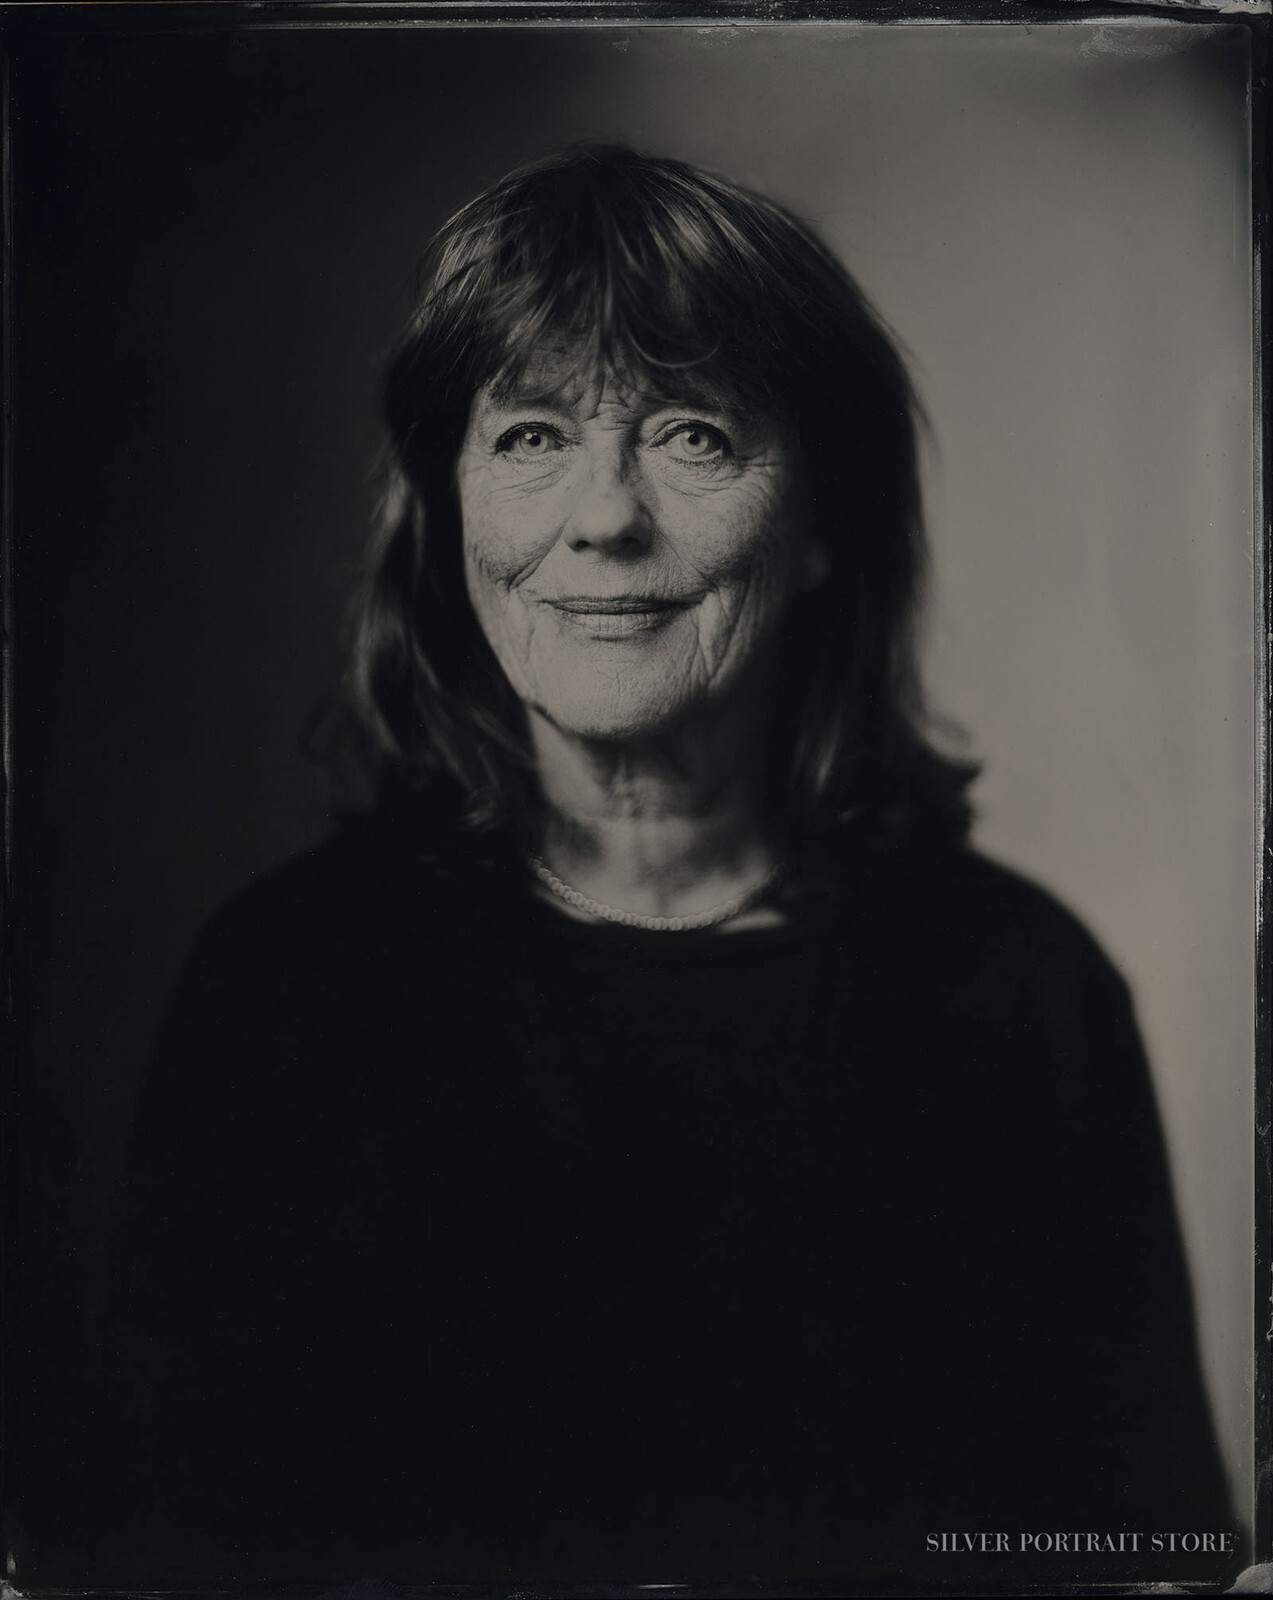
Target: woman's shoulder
(338, 951)
(975, 915)
(965, 881)
(978, 966)
(356, 885)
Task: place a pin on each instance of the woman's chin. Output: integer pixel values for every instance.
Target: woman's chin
(612, 729)
(615, 717)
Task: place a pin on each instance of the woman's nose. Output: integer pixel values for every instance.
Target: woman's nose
(609, 513)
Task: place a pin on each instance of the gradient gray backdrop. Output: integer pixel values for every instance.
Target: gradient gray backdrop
(215, 239)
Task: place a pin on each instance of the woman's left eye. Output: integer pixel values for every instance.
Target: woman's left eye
(695, 441)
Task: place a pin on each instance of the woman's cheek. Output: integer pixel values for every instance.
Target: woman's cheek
(496, 608)
(504, 539)
(502, 617)
(754, 576)
(504, 543)
(738, 535)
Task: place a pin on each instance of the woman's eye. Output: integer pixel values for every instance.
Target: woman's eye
(696, 442)
(529, 442)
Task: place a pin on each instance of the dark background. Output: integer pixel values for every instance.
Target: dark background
(214, 237)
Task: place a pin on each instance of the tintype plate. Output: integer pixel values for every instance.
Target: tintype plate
(213, 218)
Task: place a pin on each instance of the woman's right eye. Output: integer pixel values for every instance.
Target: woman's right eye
(529, 441)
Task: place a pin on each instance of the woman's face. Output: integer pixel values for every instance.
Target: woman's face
(629, 554)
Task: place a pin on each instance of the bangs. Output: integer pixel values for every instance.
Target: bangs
(606, 317)
(568, 360)
(612, 268)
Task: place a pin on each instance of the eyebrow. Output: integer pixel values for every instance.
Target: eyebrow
(711, 397)
(556, 396)
(517, 396)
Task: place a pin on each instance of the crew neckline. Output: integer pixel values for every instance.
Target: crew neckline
(686, 942)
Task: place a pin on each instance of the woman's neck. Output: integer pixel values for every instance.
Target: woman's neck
(665, 826)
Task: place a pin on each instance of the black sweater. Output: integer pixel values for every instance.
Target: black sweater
(465, 1240)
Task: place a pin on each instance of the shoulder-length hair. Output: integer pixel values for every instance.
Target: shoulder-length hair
(647, 266)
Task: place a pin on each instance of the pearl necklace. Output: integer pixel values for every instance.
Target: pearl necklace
(637, 919)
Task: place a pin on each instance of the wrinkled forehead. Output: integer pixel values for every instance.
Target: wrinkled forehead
(572, 377)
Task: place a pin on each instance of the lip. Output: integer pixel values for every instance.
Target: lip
(623, 605)
(618, 618)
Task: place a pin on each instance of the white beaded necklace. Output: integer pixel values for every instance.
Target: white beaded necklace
(637, 919)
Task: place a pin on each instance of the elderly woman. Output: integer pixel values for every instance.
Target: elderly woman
(647, 1144)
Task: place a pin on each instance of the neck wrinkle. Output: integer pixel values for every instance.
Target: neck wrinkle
(668, 825)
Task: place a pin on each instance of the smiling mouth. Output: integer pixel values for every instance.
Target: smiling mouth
(618, 617)
(628, 605)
